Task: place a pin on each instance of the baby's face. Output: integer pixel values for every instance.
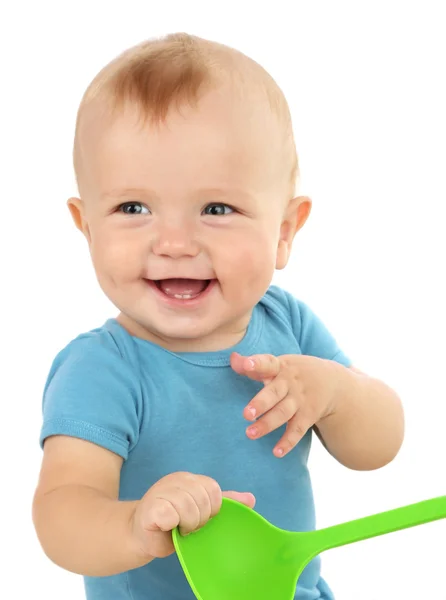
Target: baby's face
(184, 220)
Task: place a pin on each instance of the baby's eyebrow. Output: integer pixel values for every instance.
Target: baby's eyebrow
(127, 192)
(227, 193)
(223, 193)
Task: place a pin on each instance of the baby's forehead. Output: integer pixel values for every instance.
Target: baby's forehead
(221, 121)
(182, 72)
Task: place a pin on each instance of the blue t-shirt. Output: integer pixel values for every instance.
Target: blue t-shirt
(165, 412)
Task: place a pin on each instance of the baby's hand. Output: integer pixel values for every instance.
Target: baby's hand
(299, 391)
(179, 499)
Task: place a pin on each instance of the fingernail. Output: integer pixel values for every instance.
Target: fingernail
(252, 411)
(252, 431)
(251, 363)
(278, 452)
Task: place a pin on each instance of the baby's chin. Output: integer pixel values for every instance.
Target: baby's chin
(187, 334)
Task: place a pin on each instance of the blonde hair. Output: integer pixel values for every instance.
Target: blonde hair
(176, 69)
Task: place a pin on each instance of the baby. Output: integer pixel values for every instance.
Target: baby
(210, 378)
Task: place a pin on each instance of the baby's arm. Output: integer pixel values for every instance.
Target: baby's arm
(366, 428)
(84, 528)
(81, 525)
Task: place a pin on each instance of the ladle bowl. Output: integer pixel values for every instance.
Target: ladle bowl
(240, 555)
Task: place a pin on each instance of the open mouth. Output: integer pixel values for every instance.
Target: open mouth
(182, 289)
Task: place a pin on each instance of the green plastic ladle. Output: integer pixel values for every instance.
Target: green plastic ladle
(239, 555)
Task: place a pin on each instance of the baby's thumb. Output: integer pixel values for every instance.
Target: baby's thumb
(243, 497)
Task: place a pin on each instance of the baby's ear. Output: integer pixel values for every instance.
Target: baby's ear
(76, 208)
(296, 214)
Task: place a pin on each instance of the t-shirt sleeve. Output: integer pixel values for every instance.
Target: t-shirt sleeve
(92, 393)
(313, 336)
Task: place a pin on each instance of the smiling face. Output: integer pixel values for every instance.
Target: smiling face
(187, 220)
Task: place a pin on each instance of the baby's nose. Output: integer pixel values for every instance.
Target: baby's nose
(175, 241)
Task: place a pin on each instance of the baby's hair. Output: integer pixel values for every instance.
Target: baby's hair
(179, 69)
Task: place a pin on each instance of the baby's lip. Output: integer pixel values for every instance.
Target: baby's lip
(180, 277)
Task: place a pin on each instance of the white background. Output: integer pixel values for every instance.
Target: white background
(365, 82)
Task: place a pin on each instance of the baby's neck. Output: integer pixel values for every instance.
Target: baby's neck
(215, 341)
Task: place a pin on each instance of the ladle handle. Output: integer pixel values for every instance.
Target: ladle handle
(379, 524)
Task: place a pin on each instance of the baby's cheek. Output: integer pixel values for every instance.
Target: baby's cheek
(114, 258)
(251, 261)
(261, 253)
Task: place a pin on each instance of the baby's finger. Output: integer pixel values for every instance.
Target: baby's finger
(214, 495)
(258, 367)
(162, 516)
(266, 399)
(243, 497)
(296, 429)
(274, 418)
(266, 365)
(188, 510)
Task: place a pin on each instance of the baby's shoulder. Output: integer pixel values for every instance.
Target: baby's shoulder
(281, 303)
(277, 297)
(106, 346)
(283, 308)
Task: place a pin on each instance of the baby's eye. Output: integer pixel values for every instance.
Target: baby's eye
(218, 209)
(133, 208)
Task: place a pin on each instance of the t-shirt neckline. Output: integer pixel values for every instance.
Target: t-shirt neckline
(217, 358)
